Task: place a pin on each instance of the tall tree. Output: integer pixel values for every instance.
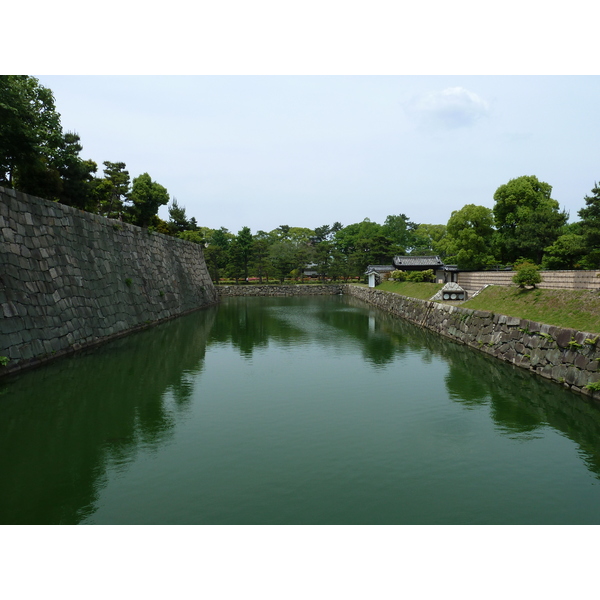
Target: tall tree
(364, 244)
(113, 203)
(30, 134)
(178, 221)
(527, 218)
(568, 251)
(469, 236)
(260, 254)
(147, 196)
(216, 253)
(240, 253)
(427, 240)
(77, 175)
(400, 231)
(282, 256)
(590, 227)
(323, 256)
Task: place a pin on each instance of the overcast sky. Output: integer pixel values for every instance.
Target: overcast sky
(263, 151)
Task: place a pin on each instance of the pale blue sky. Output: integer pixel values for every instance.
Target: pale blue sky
(263, 151)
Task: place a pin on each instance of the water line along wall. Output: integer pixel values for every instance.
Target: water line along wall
(566, 356)
(313, 289)
(70, 279)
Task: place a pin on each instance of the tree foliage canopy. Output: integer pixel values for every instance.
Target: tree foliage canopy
(469, 235)
(527, 219)
(147, 196)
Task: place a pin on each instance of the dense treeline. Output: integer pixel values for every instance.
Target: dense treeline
(526, 223)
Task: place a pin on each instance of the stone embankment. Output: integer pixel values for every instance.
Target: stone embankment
(566, 356)
(70, 279)
(280, 290)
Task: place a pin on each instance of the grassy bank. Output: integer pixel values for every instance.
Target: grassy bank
(577, 309)
(424, 291)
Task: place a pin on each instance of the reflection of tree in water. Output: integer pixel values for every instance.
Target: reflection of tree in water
(96, 409)
(473, 379)
(378, 345)
(249, 323)
(521, 403)
(246, 324)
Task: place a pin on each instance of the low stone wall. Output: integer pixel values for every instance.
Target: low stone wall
(551, 280)
(280, 290)
(70, 279)
(566, 356)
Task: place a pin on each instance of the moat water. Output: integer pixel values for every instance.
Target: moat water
(318, 410)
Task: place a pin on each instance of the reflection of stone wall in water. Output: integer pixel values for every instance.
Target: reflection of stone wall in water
(520, 405)
(69, 279)
(97, 410)
(565, 356)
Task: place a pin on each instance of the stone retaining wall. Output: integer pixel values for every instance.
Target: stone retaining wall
(551, 280)
(280, 290)
(70, 279)
(565, 356)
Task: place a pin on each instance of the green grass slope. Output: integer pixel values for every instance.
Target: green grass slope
(424, 291)
(577, 309)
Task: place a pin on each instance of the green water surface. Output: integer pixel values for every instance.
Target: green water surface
(316, 410)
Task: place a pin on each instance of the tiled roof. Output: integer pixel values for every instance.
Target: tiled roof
(379, 268)
(418, 261)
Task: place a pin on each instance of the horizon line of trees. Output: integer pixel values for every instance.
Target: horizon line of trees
(526, 223)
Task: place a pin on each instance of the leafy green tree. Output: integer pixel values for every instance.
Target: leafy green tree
(590, 228)
(216, 253)
(30, 134)
(77, 175)
(112, 204)
(240, 253)
(283, 258)
(260, 255)
(528, 220)
(569, 251)
(469, 235)
(178, 221)
(281, 233)
(321, 234)
(400, 231)
(428, 240)
(365, 243)
(325, 232)
(323, 257)
(339, 267)
(147, 196)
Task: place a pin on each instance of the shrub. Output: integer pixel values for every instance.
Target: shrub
(420, 276)
(527, 273)
(398, 275)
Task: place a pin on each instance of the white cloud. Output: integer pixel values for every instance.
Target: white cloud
(449, 109)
